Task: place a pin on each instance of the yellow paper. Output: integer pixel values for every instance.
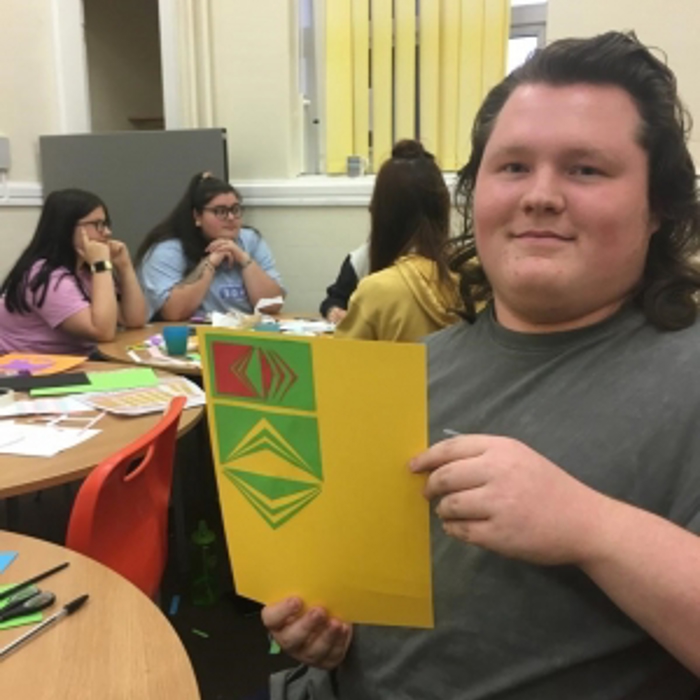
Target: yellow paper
(37, 365)
(311, 439)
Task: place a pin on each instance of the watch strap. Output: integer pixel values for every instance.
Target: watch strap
(101, 266)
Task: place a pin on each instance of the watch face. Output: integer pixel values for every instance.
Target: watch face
(101, 266)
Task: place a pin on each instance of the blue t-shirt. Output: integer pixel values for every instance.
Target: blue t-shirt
(164, 266)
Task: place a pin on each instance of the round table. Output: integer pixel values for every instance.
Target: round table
(118, 645)
(118, 348)
(20, 475)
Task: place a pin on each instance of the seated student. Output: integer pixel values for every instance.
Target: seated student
(354, 268)
(201, 259)
(72, 283)
(409, 292)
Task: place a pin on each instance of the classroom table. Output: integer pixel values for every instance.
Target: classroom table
(118, 645)
(20, 475)
(117, 349)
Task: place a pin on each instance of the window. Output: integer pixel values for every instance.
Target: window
(375, 71)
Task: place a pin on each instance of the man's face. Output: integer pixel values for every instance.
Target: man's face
(561, 213)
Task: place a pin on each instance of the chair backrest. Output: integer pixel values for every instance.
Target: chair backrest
(120, 515)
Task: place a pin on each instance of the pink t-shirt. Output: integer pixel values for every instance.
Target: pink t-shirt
(38, 330)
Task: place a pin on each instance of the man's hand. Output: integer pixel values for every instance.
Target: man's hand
(497, 493)
(309, 636)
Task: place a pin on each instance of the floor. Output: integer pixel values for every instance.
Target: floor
(226, 641)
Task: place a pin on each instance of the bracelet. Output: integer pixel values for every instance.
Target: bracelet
(208, 263)
(246, 263)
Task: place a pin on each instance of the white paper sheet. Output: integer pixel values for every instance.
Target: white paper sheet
(29, 440)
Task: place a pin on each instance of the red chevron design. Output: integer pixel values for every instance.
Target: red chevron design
(230, 366)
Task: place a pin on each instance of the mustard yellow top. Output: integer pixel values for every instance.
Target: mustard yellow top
(404, 303)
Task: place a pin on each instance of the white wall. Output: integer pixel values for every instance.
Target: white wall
(671, 25)
(255, 86)
(309, 245)
(28, 95)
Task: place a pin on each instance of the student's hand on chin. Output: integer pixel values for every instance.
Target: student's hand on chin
(90, 250)
(308, 635)
(119, 253)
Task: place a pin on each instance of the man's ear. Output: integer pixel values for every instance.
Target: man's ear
(654, 224)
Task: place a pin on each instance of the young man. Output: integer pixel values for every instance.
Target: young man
(566, 561)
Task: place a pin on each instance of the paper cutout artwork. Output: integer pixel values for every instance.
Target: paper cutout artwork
(24, 363)
(311, 467)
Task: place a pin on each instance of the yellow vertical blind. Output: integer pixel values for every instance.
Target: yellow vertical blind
(339, 99)
(360, 73)
(379, 82)
(404, 69)
(382, 80)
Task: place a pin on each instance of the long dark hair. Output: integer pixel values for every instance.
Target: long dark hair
(666, 292)
(52, 243)
(180, 222)
(410, 208)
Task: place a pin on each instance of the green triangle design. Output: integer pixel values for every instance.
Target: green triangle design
(272, 511)
(271, 486)
(265, 512)
(264, 441)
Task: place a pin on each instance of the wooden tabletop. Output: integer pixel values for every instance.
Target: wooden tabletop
(119, 645)
(26, 474)
(117, 349)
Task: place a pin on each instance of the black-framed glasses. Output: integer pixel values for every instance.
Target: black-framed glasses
(222, 212)
(101, 225)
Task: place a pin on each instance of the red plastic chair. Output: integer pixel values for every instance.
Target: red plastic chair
(120, 515)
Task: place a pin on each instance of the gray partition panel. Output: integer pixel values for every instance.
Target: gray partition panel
(140, 175)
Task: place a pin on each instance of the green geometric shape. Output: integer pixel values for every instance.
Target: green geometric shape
(272, 487)
(275, 517)
(291, 382)
(242, 431)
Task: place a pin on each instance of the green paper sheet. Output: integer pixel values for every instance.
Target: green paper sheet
(106, 381)
(17, 621)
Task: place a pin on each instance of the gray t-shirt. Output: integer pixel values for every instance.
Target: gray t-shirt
(617, 405)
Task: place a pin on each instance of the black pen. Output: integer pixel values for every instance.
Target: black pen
(34, 579)
(67, 609)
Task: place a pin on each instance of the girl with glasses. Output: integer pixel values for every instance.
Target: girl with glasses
(202, 259)
(72, 284)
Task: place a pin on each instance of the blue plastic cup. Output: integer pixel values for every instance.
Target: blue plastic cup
(175, 338)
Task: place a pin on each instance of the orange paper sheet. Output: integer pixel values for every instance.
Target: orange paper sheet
(37, 365)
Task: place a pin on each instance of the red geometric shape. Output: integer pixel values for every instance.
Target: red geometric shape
(230, 362)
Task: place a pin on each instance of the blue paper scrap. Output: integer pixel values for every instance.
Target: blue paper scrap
(6, 558)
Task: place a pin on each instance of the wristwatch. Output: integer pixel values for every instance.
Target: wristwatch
(101, 266)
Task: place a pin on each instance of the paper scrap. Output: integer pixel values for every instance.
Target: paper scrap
(137, 402)
(6, 558)
(17, 621)
(37, 407)
(264, 305)
(311, 467)
(26, 363)
(106, 381)
(30, 440)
